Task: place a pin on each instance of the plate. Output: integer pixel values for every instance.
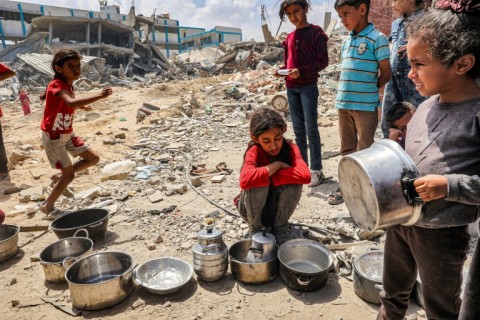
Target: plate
(283, 72)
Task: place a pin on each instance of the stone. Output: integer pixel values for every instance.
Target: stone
(218, 179)
(229, 219)
(197, 182)
(180, 188)
(186, 245)
(90, 193)
(121, 135)
(24, 199)
(15, 302)
(138, 304)
(13, 281)
(16, 157)
(164, 158)
(151, 246)
(156, 197)
(87, 202)
(34, 259)
(11, 190)
(159, 239)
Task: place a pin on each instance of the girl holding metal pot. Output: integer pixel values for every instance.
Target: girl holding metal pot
(272, 176)
(444, 142)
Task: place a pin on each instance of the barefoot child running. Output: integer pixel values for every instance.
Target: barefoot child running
(271, 177)
(305, 51)
(58, 137)
(443, 140)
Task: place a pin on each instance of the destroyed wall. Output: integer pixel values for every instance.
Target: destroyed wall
(382, 15)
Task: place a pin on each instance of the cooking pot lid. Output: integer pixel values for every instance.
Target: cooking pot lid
(209, 233)
(370, 265)
(263, 238)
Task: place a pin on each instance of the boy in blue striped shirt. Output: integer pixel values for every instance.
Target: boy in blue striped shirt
(364, 53)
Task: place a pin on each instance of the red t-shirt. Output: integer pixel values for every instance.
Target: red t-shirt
(3, 68)
(58, 116)
(255, 175)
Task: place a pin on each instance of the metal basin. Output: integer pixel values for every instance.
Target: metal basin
(8, 241)
(367, 276)
(163, 275)
(100, 280)
(255, 272)
(304, 264)
(58, 255)
(95, 221)
(372, 183)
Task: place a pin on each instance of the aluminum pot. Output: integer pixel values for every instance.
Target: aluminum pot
(100, 280)
(209, 236)
(95, 221)
(8, 241)
(377, 185)
(58, 256)
(210, 262)
(367, 276)
(304, 264)
(254, 273)
(264, 247)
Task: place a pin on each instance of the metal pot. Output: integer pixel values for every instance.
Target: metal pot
(367, 276)
(255, 273)
(377, 185)
(263, 247)
(304, 264)
(8, 241)
(210, 262)
(58, 256)
(95, 221)
(100, 280)
(209, 236)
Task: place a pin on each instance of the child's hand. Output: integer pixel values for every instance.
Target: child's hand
(431, 187)
(294, 74)
(395, 134)
(106, 92)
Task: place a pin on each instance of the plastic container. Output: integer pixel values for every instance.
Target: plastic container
(119, 167)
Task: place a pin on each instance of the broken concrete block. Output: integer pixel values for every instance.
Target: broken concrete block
(156, 197)
(17, 156)
(90, 193)
(218, 179)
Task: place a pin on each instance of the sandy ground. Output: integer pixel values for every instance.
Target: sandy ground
(23, 280)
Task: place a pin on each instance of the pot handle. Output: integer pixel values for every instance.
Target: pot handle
(124, 278)
(81, 230)
(409, 190)
(304, 281)
(68, 261)
(211, 247)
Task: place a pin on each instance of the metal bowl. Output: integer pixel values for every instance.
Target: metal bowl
(163, 275)
(8, 241)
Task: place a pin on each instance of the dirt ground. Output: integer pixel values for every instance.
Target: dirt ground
(22, 278)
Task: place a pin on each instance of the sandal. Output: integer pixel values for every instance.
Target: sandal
(335, 198)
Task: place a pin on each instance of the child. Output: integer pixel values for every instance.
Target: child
(364, 53)
(24, 101)
(400, 88)
(305, 52)
(272, 175)
(397, 119)
(444, 142)
(5, 73)
(58, 137)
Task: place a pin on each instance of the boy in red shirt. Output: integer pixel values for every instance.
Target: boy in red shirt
(5, 73)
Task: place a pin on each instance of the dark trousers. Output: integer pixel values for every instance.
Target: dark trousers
(303, 104)
(253, 201)
(439, 255)
(470, 309)
(3, 154)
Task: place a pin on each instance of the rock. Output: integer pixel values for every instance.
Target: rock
(34, 259)
(156, 197)
(90, 193)
(11, 190)
(218, 179)
(13, 281)
(15, 302)
(87, 202)
(26, 147)
(120, 136)
(229, 219)
(167, 304)
(180, 188)
(24, 199)
(164, 210)
(186, 245)
(164, 158)
(159, 239)
(151, 246)
(197, 182)
(16, 157)
(138, 304)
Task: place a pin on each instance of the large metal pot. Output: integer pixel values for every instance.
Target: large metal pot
(100, 280)
(8, 241)
(255, 273)
(304, 264)
(59, 255)
(377, 185)
(367, 276)
(95, 221)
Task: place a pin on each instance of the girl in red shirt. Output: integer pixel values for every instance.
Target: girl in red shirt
(272, 176)
(57, 132)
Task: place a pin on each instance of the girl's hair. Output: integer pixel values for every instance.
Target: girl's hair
(398, 110)
(305, 4)
(263, 120)
(450, 32)
(62, 56)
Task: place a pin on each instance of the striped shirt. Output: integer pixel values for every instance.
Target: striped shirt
(358, 85)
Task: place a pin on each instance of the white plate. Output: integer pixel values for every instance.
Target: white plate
(283, 72)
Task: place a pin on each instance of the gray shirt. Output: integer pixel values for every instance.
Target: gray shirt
(444, 139)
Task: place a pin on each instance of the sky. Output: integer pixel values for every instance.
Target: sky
(244, 14)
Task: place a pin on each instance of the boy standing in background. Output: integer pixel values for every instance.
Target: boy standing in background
(364, 53)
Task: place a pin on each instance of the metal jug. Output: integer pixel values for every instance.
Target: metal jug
(263, 247)
(210, 254)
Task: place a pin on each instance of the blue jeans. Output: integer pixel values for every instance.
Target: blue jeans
(303, 102)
